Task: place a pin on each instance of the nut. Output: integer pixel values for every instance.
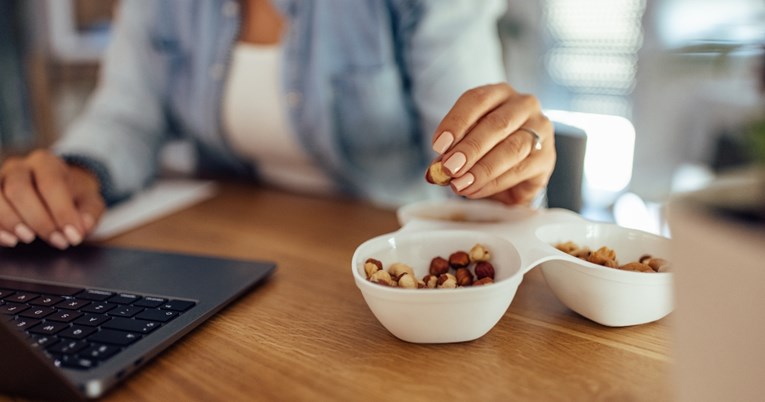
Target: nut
(636, 266)
(381, 277)
(464, 277)
(430, 281)
(568, 247)
(459, 259)
(446, 281)
(484, 269)
(407, 281)
(602, 255)
(397, 269)
(479, 253)
(436, 174)
(657, 264)
(483, 281)
(438, 266)
(371, 266)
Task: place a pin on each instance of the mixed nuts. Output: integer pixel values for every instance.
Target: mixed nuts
(439, 272)
(607, 257)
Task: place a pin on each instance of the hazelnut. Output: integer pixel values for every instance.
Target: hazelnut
(483, 281)
(407, 281)
(371, 266)
(438, 266)
(601, 255)
(464, 277)
(382, 277)
(484, 269)
(582, 253)
(447, 281)
(398, 269)
(479, 253)
(459, 259)
(568, 247)
(430, 281)
(421, 285)
(636, 266)
(658, 264)
(436, 174)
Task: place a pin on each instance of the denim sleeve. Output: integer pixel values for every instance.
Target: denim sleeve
(449, 47)
(123, 125)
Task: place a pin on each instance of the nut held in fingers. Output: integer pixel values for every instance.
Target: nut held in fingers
(436, 174)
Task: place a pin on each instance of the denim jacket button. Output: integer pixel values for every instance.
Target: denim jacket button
(231, 9)
(293, 98)
(217, 71)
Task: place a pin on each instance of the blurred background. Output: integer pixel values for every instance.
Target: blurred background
(665, 90)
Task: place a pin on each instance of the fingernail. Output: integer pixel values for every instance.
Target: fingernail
(463, 181)
(24, 233)
(58, 241)
(455, 162)
(72, 235)
(443, 142)
(88, 221)
(8, 239)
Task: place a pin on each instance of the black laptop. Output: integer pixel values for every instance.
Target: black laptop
(77, 322)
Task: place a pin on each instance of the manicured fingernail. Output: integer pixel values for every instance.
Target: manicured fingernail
(72, 235)
(463, 181)
(455, 162)
(443, 142)
(88, 221)
(24, 233)
(8, 239)
(58, 241)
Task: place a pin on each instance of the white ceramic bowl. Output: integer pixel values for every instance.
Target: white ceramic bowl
(607, 296)
(437, 315)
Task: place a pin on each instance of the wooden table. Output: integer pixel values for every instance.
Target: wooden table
(308, 335)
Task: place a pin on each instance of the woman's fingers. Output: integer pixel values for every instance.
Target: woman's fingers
(496, 143)
(42, 196)
(466, 112)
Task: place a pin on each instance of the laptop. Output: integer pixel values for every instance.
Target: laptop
(77, 322)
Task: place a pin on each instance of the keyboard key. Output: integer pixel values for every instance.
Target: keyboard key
(113, 337)
(12, 308)
(157, 315)
(21, 297)
(98, 307)
(124, 298)
(37, 312)
(46, 300)
(73, 304)
(26, 323)
(5, 293)
(75, 362)
(67, 347)
(94, 295)
(92, 320)
(177, 305)
(64, 316)
(150, 301)
(77, 332)
(130, 325)
(44, 341)
(100, 352)
(48, 328)
(125, 311)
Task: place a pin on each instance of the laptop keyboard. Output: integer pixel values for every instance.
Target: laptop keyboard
(82, 328)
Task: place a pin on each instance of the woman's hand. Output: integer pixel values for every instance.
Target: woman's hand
(487, 145)
(41, 196)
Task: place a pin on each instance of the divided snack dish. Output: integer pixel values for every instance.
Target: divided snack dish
(608, 296)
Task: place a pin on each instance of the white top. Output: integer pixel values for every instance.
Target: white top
(256, 123)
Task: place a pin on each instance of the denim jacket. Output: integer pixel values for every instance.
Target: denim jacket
(365, 84)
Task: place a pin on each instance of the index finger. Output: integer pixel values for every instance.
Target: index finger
(467, 110)
(52, 185)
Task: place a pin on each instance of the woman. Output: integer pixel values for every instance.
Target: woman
(342, 96)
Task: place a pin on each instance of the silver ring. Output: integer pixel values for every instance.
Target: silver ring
(537, 139)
